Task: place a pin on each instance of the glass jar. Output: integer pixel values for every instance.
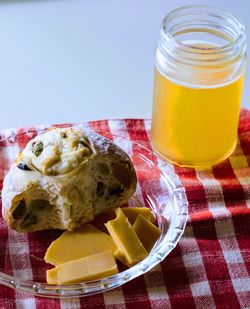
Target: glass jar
(199, 73)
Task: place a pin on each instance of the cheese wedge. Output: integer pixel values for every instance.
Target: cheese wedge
(86, 240)
(92, 267)
(126, 240)
(147, 232)
(130, 212)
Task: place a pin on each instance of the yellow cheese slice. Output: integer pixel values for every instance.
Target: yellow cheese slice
(126, 240)
(119, 256)
(88, 268)
(133, 212)
(130, 212)
(84, 241)
(147, 232)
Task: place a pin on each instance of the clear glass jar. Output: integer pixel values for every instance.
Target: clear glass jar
(199, 73)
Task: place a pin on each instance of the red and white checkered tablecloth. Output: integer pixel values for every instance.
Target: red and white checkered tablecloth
(209, 268)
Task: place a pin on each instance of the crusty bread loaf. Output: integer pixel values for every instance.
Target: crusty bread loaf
(63, 178)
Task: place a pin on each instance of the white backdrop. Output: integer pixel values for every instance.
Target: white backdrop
(77, 60)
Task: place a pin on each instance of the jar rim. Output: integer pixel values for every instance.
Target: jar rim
(224, 52)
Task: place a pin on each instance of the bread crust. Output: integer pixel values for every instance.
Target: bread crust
(64, 178)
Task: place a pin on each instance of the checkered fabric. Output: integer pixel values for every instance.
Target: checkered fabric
(209, 268)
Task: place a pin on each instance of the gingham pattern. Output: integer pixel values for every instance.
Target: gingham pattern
(209, 268)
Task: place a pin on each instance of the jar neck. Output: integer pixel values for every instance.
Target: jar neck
(204, 39)
(200, 35)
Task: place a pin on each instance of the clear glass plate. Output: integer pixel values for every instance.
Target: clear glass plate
(21, 255)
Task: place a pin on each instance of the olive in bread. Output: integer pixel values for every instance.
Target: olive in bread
(64, 178)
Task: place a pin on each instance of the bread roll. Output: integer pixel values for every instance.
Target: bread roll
(64, 178)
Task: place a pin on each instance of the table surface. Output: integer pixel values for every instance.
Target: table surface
(71, 61)
(210, 266)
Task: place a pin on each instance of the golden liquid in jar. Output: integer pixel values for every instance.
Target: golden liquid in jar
(195, 126)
